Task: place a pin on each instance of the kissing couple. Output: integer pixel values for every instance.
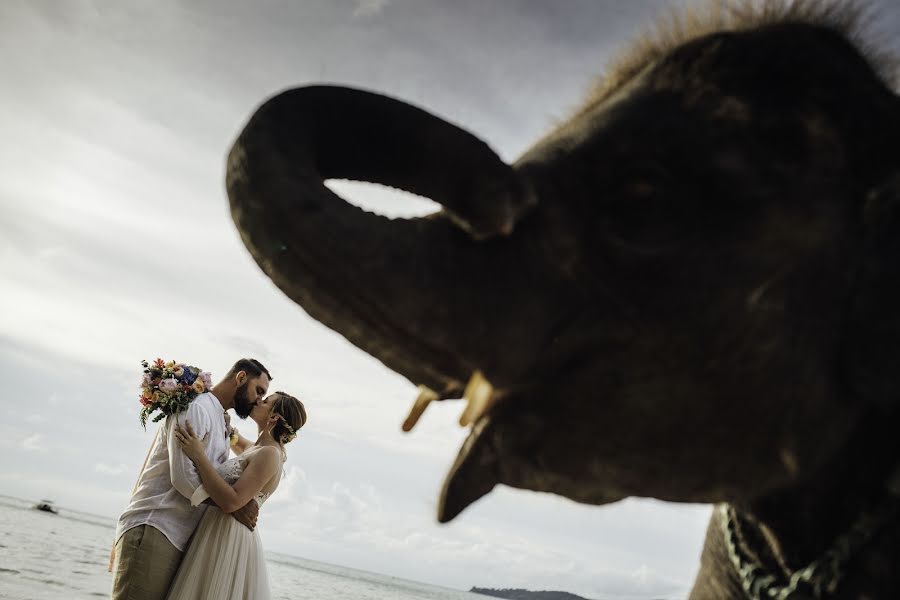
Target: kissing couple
(188, 532)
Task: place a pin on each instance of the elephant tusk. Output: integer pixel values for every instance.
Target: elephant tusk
(425, 397)
(479, 397)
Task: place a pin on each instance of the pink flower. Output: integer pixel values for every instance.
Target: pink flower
(168, 385)
(207, 379)
(146, 380)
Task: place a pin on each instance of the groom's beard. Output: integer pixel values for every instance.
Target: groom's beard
(242, 403)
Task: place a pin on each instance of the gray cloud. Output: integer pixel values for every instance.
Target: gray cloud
(369, 8)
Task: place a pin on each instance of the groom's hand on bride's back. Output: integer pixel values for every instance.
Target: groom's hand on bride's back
(247, 514)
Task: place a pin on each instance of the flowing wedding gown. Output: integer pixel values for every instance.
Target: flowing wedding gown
(225, 560)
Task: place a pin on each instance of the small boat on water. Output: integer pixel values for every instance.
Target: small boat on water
(46, 506)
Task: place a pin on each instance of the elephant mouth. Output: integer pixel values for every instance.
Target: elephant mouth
(467, 480)
(514, 430)
(506, 445)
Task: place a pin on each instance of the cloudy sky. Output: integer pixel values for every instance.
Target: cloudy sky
(116, 245)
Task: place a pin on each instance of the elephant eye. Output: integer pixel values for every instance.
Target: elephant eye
(642, 181)
(638, 193)
(640, 189)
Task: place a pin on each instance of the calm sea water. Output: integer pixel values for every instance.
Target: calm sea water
(44, 556)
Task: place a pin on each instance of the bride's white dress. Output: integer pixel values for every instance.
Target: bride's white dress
(225, 560)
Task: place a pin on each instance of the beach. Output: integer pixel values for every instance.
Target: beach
(47, 556)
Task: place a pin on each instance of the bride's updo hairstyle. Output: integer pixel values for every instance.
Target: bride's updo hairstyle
(292, 416)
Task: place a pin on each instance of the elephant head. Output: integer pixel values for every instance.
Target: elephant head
(687, 291)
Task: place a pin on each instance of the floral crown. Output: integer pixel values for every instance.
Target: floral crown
(291, 432)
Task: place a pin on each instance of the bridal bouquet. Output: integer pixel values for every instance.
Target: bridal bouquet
(169, 387)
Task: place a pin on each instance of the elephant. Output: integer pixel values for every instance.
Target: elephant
(688, 290)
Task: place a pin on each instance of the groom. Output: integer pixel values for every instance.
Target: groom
(153, 532)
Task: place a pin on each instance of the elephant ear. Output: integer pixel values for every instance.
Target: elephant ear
(873, 334)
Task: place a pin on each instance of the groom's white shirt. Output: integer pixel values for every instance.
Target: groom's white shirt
(162, 495)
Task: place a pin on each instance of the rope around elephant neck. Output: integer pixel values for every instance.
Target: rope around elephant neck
(817, 580)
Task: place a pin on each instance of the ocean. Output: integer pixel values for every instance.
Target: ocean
(45, 556)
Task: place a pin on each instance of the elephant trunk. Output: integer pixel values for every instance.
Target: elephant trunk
(394, 288)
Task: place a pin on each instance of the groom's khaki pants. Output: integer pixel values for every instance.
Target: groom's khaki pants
(145, 565)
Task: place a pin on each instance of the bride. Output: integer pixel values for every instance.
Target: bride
(225, 559)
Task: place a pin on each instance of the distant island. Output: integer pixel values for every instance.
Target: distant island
(520, 594)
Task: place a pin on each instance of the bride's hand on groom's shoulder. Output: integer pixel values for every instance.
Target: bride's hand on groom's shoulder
(192, 446)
